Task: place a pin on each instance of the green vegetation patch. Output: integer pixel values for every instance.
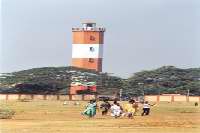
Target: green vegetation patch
(6, 113)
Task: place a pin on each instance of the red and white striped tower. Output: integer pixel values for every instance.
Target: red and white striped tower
(87, 48)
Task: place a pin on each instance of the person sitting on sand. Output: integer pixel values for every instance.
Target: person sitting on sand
(116, 109)
(129, 108)
(136, 107)
(90, 110)
(105, 106)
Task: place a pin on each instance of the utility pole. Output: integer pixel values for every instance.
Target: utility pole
(188, 92)
(142, 84)
(120, 94)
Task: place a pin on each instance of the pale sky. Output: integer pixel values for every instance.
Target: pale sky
(140, 34)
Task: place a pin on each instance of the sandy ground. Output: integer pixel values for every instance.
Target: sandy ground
(54, 117)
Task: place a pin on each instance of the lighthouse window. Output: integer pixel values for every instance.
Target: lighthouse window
(91, 49)
(92, 38)
(89, 25)
(91, 60)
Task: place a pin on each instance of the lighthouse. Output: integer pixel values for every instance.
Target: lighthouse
(87, 50)
(87, 46)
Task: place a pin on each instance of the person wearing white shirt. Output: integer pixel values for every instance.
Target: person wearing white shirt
(146, 108)
(116, 110)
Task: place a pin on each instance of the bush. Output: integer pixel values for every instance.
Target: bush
(25, 100)
(6, 113)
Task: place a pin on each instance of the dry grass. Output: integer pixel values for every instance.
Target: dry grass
(6, 113)
(54, 117)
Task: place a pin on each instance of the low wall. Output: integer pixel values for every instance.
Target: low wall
(13, 97)
(180, 98)
(152, 98)
(194, 99)
(23, 96)
(77, 97)
(64, 97)
(172, 98)
(39, 97)
(165, 98)
(3, 97)
(45, 97)
(89, 97)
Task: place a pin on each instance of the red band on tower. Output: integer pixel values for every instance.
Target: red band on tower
(87, 50)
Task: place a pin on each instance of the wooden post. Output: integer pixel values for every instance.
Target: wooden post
(187, 98)
(32, 96)
(44, 97)
(7, 96)
(19, 97)
(58, 97)
(172, 98)
(70, 97)
(95, 96)
(83, 98)
(158, 98)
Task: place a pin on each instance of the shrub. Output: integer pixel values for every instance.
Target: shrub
(6, 113)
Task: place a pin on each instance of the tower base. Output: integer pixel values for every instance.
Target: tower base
(82, 89)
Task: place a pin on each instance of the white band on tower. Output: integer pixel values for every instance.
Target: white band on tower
(87, 50)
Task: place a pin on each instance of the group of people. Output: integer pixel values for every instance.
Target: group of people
(115, 109)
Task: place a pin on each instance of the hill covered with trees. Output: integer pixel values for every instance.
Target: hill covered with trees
(167, 79)
(57, 80)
